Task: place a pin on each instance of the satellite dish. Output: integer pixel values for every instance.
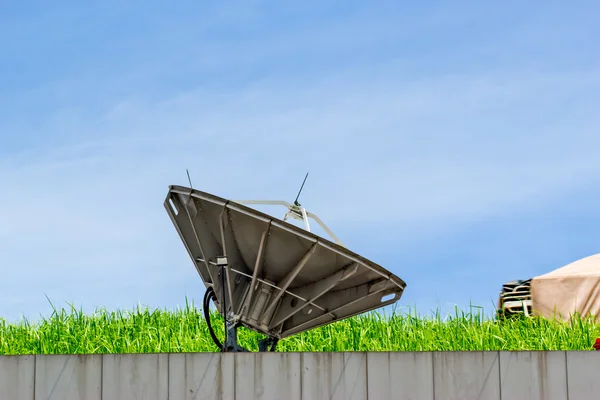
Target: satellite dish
(269, 275)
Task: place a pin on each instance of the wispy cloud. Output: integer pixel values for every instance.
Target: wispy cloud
(396, 144)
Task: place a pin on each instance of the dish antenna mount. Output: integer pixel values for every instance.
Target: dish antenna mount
(296, 211)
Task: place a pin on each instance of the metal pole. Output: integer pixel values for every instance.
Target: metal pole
(224, 306)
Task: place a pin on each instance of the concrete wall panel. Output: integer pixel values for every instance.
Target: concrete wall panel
(335, 376)
(201, 376)
(17, 377)
(583, 369)
(68, 377)
(400, 376)
(135, 376)
(268, 376)
(466, 375)
(534, 375)
(296, 376)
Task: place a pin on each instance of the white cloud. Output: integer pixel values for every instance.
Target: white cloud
(415, 153)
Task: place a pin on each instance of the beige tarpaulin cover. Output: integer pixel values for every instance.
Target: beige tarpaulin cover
(574, 288)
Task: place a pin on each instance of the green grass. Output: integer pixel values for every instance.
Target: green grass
(150, 331)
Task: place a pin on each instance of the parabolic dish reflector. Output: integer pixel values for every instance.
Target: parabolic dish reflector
(274, 277)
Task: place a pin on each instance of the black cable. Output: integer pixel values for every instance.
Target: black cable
(224, 309)
(208, 296)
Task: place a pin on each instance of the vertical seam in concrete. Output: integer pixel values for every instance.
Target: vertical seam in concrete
(35, 357)
(432, 374)
(567, 374)
(101, 376)
(499, 375)
(169, 375)
(367, 372)
(235, 361)
(301, 376)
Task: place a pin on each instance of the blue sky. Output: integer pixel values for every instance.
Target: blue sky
(456, 144)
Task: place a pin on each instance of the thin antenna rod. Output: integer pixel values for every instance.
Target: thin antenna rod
(301, 187)
(189, 179)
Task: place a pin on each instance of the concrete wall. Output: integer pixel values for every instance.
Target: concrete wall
(338, 376)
